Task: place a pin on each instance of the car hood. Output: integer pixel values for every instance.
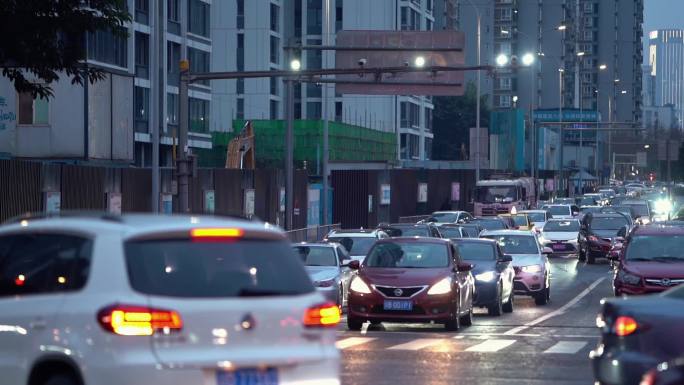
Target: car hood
(559, 235)
(605, 233)
(481, 266)
(401, 276)
(322, 273)
(527, 259)
(656, 269)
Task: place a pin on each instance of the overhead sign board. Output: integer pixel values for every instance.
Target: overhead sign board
(436, 48)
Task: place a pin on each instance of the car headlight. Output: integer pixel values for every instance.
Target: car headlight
(487, 276)
(644, 220)
(532, 269)
(441, 287)
(359, 286)
(325, 282)
(662, 206)
(628, 278)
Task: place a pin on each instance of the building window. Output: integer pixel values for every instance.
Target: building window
(313, 110)
(240, 109)
(428, 148)
(503, 14)
(504, 83)
(172, 110)
(198, 18)
(428, 119)
(240, 54)
(142, 10)
(142, 55)
(428, 24)
(275, 50)
(199, 62)
(298, 19)
(338, 112)
(173, 57)
(141, 104)
(240, 86)
(274, 85)
(33, 111)
(339, 15)
(275, 18)
(274, 109)
(173, 9)
(314, 17)
(504, 101)
(428, 5)
(199, 115)
(107, 47)
(240, 14)
(410, 19)
(410, 115)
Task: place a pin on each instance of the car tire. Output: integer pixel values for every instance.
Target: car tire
(582, 256)
(591, 259)
(467, 320)
(454, 323)
(542, 298)
(354, 324)
(496, 309)
(60, 379)
(508, 306)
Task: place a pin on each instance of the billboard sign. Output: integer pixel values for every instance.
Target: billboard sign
(436, 48)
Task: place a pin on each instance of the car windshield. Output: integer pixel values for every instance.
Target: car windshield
(450, 232)
(476, 251)
(586, 201)
(564, 201)
(354, 245)
(444, 217)
(516, 244)
(316, 255)
(612, 223)
(493, 194)
(181, 268)
(408, 255)
(472, 231)
(569, 226)
(408, 231)
(490, 224)
(639, 209)
(591, 209)
(536, 217)
(520, 220)
(559, 210)
(656, 247)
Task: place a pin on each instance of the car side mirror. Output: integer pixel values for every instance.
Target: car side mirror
(352, 264)
(547, 250)
(506, 258)
(463, 267)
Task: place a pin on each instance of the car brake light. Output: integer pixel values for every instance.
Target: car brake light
(650, 378)
(216, 233)
(625, 326)
(326, 315)
(127, 320)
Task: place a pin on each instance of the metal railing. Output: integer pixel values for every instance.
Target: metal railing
(310, 234)
(413, 219)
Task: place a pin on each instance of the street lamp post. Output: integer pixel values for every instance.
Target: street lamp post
(477, 102)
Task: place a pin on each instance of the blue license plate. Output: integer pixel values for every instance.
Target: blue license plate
(398, 305)
(248, 377)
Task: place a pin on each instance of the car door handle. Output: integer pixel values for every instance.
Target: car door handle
(38, 324)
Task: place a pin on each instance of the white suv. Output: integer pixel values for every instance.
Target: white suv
(159, 300)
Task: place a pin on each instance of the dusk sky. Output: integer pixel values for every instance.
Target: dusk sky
(659, 14)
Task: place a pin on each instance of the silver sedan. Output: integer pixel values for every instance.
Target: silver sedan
(328, 265)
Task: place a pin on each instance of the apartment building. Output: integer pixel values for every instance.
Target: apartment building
(251, 35)
(666, 64)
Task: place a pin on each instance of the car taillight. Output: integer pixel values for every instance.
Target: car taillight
(216, 234)
(127, 320)
(625, 326)
(326, 315)
(649, 378)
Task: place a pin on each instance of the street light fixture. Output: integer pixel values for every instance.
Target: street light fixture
(603, 67)
(580, 54)
(623, 92)
(501, 60)
(562, 27)
(419, 62)
(528, 59)
(295, 65)
(647, 146)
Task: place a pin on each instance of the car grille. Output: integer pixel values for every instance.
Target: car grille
(406, 292)
(664, 282)
(519, 286)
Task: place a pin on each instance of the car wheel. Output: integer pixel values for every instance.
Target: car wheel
(508, 306)
(60, 379)
(467, 320)
(582, 255)
(354, 324)
(542, 298)
(591, 259)
(496, 309)
(454, 323)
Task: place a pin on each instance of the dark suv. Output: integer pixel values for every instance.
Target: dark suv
(597, 232)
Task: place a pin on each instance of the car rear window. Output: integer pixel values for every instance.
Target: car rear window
(562, 226)
(316, 255)
(244, 268)
(476, 251)
(354, 245)
(450, 232)
(559, 210)
(408, 255)
(605, 223)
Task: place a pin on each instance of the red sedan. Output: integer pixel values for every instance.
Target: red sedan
(412, 280)
(651, 260)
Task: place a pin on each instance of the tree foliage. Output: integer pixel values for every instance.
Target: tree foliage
(42, 38)
(452, 119)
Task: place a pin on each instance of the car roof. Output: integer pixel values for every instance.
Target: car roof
(633, 202)
(407, 225)
(507, 232)
(658, 230)
(450, 212)
(415, 239)
(562, 220)
(539, 211)
(133, 225)
(356, 232)
(317, 244)
(474, 240)
(559, 205)
(605, 215)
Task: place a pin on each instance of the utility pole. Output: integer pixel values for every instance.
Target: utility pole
(289, 145)
(155, 86)
(560, 128)
(477, 102)
(183, 169)
(326, 145)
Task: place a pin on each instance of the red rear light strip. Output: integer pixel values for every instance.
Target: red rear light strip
(325, 315)
(625, 326)
(131, 320)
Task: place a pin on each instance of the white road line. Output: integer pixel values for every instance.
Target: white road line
(566, 347)
(558, 311)
(491, 346)
(364, 328)
(353, 341)
(418, 344)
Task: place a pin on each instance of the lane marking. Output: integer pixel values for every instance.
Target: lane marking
(566, 347)
(558, 311)
(353, 341)
(364, 328)
(491, 346)
(418, 344)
